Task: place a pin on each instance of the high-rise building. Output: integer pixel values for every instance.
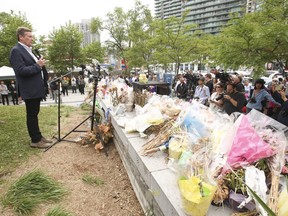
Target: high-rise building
(251, 6)
(88, 36)
(209, 15)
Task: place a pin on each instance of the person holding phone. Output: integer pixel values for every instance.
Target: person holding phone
(259, 95)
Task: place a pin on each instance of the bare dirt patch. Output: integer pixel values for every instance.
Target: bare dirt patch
(68, 162)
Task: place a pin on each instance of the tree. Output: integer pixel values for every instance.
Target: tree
(9, 22)
(256, 39)
(96, 25)
(175, 41)
(140, 33)
(65, 51)
(94, 51)
(117, 25)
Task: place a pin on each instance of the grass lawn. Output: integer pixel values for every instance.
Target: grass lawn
(14, 138)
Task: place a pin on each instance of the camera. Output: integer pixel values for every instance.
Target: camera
(223, 77)
(252, 100)
(279, 87)
(219, 97)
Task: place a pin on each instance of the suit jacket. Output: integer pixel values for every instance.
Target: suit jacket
(30, 84)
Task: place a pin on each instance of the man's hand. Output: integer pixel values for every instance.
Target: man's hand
(227, 97)
(41, 62)
(283, 95)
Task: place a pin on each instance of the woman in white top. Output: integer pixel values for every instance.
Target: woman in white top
(216, 99)
(4, 93)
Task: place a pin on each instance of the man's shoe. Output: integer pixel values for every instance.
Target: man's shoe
(40, 145)
(45, 140)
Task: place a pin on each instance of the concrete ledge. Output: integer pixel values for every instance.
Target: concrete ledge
(155, 185)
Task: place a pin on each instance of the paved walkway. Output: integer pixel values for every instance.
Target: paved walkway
(75, 99)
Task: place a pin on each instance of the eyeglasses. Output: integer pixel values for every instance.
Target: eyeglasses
(218, 87)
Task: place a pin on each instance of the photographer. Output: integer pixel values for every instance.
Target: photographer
(192, 81)
(222, 77)
(237, 80)
(233, 101)
(258, 96)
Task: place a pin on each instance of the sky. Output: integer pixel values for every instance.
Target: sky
(49, 14)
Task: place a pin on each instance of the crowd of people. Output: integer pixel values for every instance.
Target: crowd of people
(5, 91)
(231, 93)
(58, 86)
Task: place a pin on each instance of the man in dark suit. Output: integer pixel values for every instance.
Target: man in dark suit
(13, 91)
(30, 83)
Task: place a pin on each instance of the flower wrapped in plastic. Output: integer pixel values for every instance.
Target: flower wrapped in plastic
(196, 118)
(283, 198)
(247, 146)
(259, 137)
(196, 195)
(273, 133)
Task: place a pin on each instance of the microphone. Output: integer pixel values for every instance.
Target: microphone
(37, 53)
(44, 70)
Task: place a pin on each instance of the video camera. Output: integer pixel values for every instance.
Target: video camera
(192, 79)
(223, 77)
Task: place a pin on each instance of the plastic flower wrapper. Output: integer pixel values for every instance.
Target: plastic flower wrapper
(130, 95)
(169, 107)
(196, 195)
(165, 104)
(221, 142)
(256, 180)
(177, 144)
(260, 120)
(276, 164)
(155, 100)
(141, 122)
(183, 165)
(283, 198)
(222, 128)
(195, 173)
(247, 146)
(273, 133)
(198, 163)
(152, 104)
(194, 119)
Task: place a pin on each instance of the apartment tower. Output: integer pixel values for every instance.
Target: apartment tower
(210, 15)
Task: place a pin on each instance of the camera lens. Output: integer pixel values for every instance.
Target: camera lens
(219, 97)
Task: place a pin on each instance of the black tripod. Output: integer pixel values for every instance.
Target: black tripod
(92, 116)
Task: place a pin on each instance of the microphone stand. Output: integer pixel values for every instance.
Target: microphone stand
(92, 116)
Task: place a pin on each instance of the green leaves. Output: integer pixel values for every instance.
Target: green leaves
(30, 190)
(91, 180)
(65, 51)
(9, 23)
(260, 201)
(255, 39)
